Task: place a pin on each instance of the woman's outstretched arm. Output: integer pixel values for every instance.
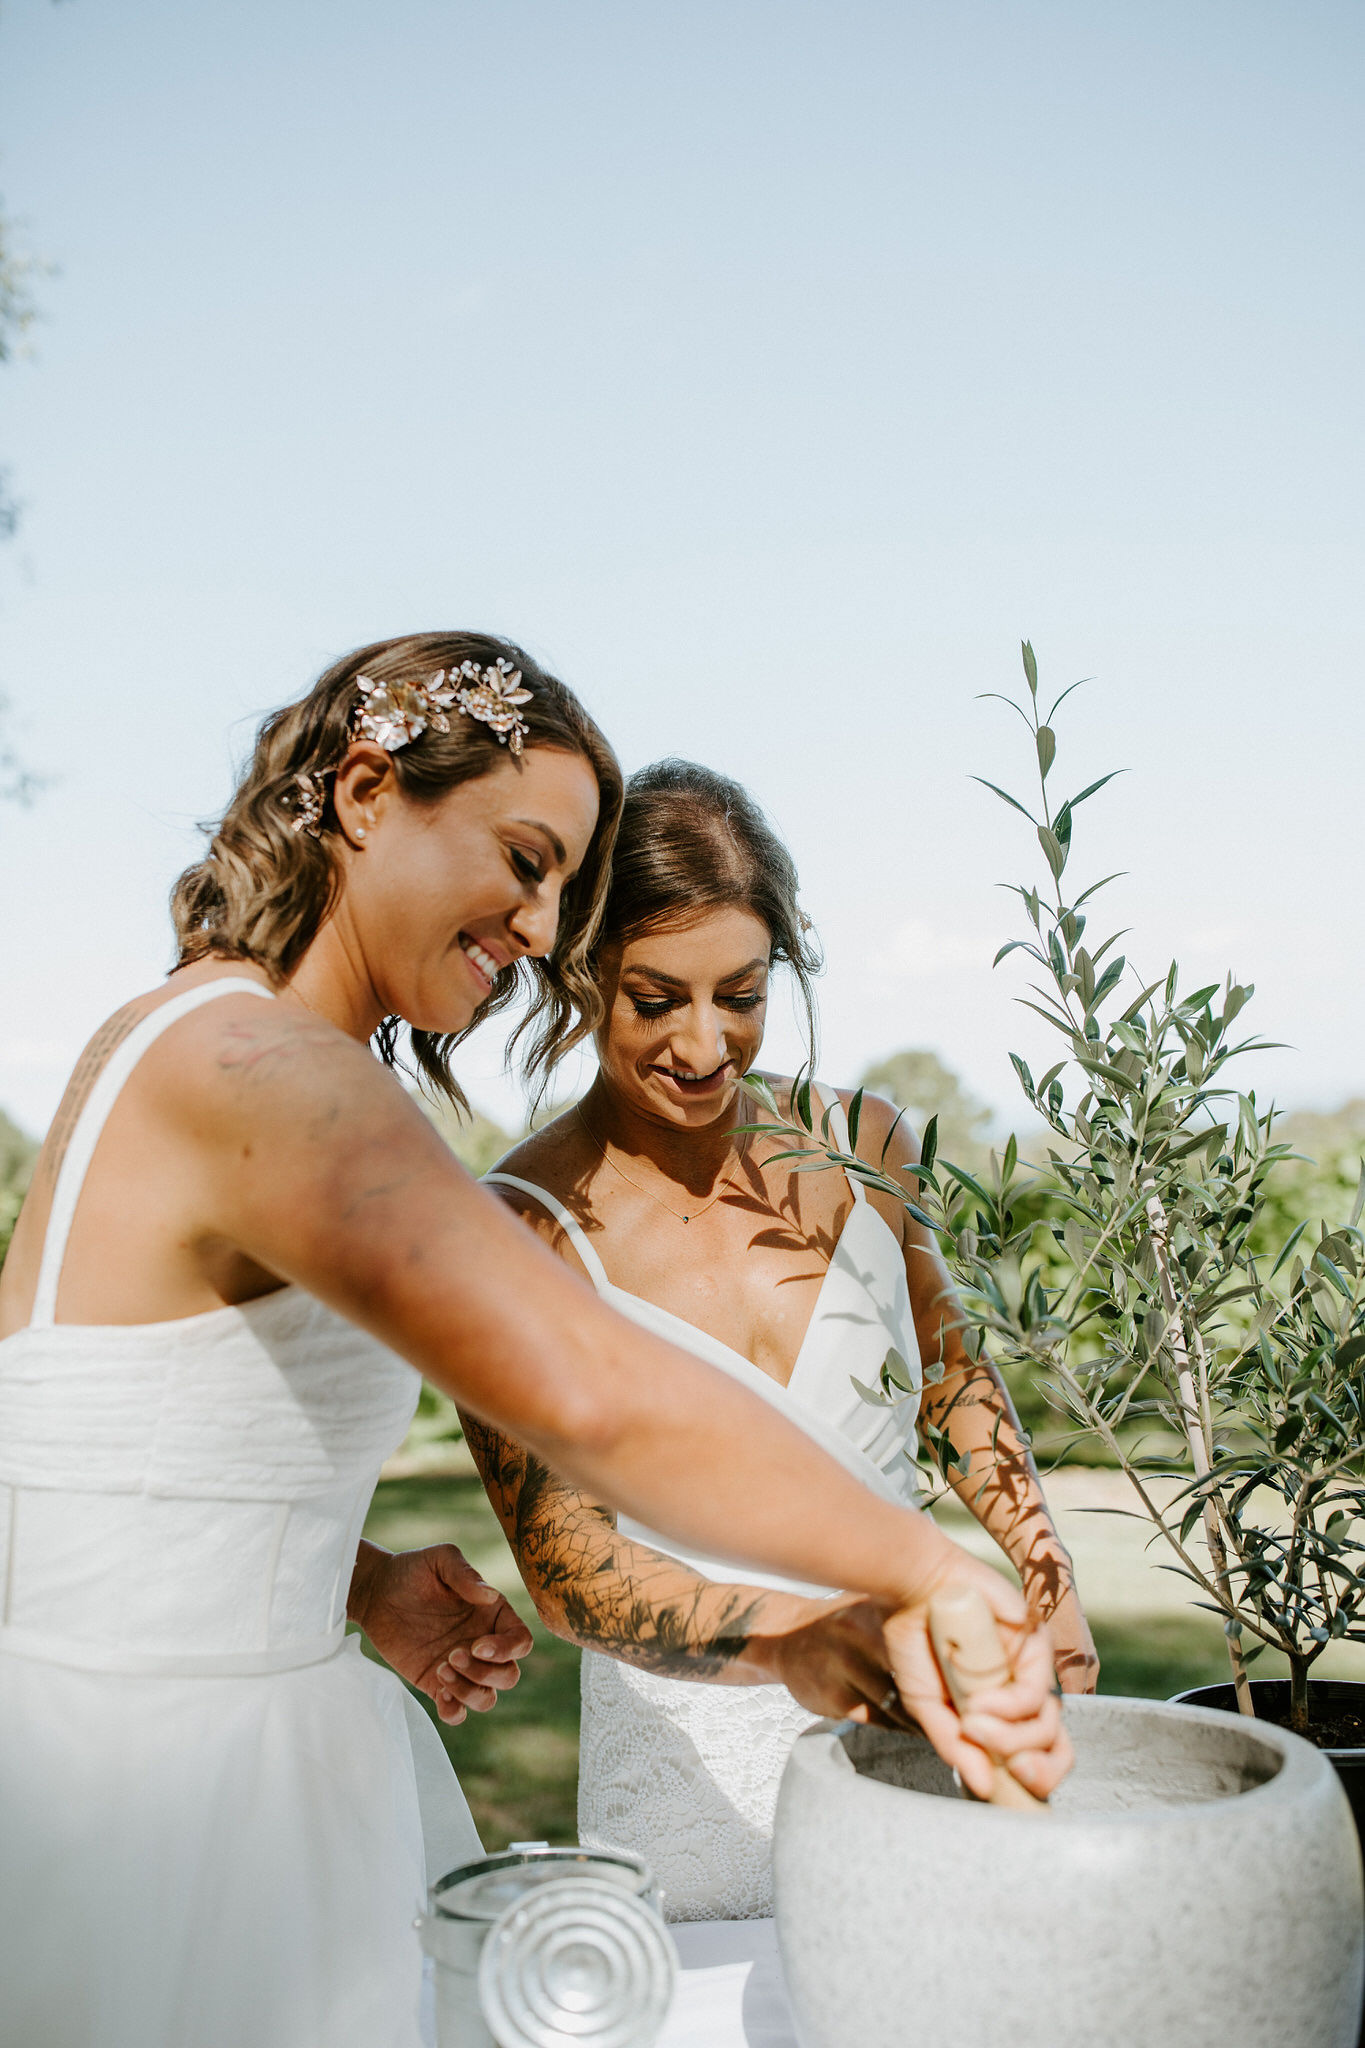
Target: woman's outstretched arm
(317, 1166)
(595, 1587)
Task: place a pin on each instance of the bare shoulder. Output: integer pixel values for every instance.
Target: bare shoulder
(95, 1056)
(185, 1070)
(252, 1080)
(559, 1159)
(882, 1128)
(236, 1087)
(551, 1157)
(238, 1076)
(238, 1050)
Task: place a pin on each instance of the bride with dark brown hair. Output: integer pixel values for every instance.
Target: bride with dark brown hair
(822, 1297)
(242, 1244)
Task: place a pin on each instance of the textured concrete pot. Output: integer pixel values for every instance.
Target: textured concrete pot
(1271, 1696)
(1197, 1884)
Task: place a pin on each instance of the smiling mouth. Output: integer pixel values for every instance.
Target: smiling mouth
(694, 1084)
(484, 965)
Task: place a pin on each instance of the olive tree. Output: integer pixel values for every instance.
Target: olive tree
(1226, 1383)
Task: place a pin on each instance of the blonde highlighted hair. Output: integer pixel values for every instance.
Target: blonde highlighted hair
(263, 888)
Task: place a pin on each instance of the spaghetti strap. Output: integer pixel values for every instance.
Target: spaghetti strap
(838, 1130)
(573, 1230)
(91, 1122)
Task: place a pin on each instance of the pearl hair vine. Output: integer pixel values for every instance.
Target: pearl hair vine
(393, 715)
(308, 804)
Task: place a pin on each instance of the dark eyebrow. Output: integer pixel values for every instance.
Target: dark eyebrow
(672, 981)
(556, 842)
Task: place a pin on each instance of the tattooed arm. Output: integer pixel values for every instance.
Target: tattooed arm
(599, 1589)
(595, 1587)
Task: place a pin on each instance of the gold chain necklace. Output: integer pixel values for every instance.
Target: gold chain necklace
(648, 1192)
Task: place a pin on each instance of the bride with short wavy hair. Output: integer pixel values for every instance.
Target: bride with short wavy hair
(242, 1244)
(274, 867)
(820, 1296)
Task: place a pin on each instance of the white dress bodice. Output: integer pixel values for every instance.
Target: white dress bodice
(187, 1497)
(686, 1774)
(180, 1507)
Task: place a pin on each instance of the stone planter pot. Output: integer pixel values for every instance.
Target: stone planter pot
(1271, 1697)
(1197, 1884)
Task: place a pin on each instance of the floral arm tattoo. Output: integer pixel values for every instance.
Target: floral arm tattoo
(595, 1587)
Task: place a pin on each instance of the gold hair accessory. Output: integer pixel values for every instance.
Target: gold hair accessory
(495, 696)
(309, 803)
(393, 715)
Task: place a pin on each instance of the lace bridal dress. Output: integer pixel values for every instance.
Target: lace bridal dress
(211, 1805)
(685, 1774)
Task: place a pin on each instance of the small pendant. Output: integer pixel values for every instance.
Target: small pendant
(687, 1219)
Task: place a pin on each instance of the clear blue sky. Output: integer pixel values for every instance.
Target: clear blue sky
(769, 369)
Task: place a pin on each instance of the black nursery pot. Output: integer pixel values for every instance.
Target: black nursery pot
(1327, 1698)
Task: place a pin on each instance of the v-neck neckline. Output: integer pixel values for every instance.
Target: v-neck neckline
(788, 1385)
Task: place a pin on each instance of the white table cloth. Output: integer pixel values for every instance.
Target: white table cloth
(730, 1989)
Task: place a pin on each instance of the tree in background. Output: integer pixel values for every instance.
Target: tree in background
(475, 1139)
(17, 1154)
(18, 785)
(1319, 1182)
(18, 311)
(919, 1083)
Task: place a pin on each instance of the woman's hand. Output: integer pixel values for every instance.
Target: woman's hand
(1021, 1722)
(439, 1625)
(836, 1662)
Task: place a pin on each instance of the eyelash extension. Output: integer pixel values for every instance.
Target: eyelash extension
(526, 867)
(661, 1009)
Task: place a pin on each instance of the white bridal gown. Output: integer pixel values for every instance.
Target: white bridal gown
(210, 1826)
(685, 1774)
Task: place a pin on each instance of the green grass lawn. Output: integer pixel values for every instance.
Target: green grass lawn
(519, 1764)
